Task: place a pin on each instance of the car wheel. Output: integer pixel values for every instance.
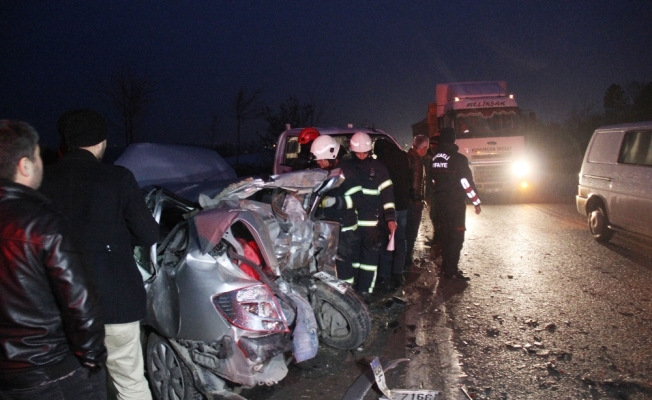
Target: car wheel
(343, 318)
(599, 225)
(169, 377)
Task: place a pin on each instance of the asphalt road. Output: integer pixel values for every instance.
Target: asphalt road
(548, 314)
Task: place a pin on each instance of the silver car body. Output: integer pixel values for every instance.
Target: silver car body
(190, 272)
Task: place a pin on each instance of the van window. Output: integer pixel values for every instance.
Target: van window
(637, 148)
(602, 147)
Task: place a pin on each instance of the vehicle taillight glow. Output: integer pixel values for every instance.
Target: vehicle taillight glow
(252, 308)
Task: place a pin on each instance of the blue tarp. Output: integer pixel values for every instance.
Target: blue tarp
(174, 165)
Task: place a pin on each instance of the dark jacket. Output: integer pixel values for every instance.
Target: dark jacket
(109, 213)
(396, 160)
(370, 178)
(343, 211)
(427, 162)
(448, 169)
(417, 181)
(49, 310)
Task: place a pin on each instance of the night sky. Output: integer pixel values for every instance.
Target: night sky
(371, 62)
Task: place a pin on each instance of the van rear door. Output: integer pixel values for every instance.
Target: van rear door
(632, 183)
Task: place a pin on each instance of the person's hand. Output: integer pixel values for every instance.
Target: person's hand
(392, 226)
(478, 209)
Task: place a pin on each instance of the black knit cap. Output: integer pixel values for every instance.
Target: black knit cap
(447, 135)
(82, 128)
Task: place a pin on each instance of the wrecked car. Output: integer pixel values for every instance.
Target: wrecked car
(242, 284)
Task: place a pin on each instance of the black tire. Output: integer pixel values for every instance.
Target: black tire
(169, 377)
(343, 319)
(599, 224)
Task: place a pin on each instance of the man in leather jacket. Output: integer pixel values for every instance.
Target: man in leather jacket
(51, 331)
(108, 211)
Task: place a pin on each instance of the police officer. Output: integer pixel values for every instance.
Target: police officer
(453, 183)
(375, 209)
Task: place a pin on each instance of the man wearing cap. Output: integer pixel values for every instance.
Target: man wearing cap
(109, 213)
(453, 183)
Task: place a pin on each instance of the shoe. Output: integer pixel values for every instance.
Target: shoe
(461, 276)
(398, 280)
(457, 276)
(367, 297)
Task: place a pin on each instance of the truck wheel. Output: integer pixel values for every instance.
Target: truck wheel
(169, 377)
(343, 319)
(599, 224)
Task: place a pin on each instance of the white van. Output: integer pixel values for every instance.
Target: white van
(615, 182)
(288, 148)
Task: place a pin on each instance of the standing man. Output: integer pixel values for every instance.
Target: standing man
(51, 331)
(453, 183)
(338, 206)
(417, 193)
(390, 267)
(375, 208)
(110, 215)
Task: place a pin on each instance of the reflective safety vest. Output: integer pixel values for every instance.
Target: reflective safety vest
(371, 190)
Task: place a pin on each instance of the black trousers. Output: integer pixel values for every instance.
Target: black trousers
(451, 220)
(77, 385)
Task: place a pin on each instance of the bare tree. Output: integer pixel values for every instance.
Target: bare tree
(130, 94)
(245, 107)
(291, 111)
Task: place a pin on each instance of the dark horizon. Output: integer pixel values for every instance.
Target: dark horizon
(370, 63)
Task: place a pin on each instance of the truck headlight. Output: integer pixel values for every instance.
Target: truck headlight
(521, 169)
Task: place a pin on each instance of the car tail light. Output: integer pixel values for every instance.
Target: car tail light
(253, 308)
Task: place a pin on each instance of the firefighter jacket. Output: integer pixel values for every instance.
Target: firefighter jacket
(49, 307)
(451, 175)
(370, 179)
(339, 203)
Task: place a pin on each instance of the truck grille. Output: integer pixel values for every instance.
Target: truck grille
(491, 156)
(491, 174)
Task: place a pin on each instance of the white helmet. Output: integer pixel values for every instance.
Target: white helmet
(324, 148)
(360, 142)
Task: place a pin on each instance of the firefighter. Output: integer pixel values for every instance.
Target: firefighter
(338, 206)
(375, 209)
(453, 183)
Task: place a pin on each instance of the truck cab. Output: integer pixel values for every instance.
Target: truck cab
(490, 129)
(289, 151)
